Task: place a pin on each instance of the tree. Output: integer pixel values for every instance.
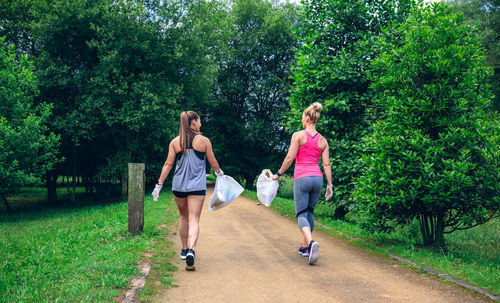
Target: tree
(434, 154)
(336, 50)
(252, 89)
(485, 15)
(119, 73)
(27, 149)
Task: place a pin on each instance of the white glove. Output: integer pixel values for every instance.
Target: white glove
(329, 192)
(156, 191)
(220, 174)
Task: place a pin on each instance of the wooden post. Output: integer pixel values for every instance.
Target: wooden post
(136, 197)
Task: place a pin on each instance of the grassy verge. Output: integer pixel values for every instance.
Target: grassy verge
(84, 253)
(473, 255)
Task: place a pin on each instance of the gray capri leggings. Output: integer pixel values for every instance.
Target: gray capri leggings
(306, 193)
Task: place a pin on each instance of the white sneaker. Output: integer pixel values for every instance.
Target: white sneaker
(313, 252)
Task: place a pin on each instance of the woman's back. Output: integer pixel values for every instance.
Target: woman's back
(308, 154)
(190, 169)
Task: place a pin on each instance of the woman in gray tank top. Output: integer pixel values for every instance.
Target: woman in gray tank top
(189, 149)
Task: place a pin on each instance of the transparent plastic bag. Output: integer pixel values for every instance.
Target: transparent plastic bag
(267, 188)
(225, 191)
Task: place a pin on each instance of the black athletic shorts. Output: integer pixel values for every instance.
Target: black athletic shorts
(181, 194)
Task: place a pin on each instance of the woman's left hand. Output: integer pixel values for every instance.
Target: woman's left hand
(329, 192)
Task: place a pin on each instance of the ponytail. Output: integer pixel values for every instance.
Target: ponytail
(185, 130)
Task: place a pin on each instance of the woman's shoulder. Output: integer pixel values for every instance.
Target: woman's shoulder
(322, 142)
(201, 143)
(175, 140)
(202, 138)
(299, 133)
(176, 144)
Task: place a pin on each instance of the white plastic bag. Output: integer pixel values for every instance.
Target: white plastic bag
(225, 191)
(267, 188)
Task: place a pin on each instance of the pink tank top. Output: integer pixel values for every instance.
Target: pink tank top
(306, 160)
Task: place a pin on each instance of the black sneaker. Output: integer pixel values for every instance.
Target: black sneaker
(183, 254)
(313, 252)
(190, 260)
(304, 251)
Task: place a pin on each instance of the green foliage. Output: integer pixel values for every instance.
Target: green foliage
(118, 74)
(337, 46)
(434, 154)
(252, 89)
(107, 68)
(484, 15)
(285, 189)
(27, 149)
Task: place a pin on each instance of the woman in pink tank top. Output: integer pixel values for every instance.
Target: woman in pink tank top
(306, 147)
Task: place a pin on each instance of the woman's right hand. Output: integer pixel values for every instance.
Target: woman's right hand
(156, 191)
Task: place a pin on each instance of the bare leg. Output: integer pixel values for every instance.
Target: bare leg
(182, 205)
(195, 205)
(306, 232)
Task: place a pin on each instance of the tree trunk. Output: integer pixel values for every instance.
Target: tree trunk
(432, 229)
(52, 187)
(73, 192)
(424, 229)
(88, 184)
(7, 206)
(439, 235)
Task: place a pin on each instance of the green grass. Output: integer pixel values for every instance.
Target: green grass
(79, 254)
(473, 255)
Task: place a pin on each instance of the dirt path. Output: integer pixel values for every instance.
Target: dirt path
(248, 253)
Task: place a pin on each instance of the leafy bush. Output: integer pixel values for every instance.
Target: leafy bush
(286, 187)
(434, 154)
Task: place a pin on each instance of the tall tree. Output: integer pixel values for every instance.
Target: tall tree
(119, 73)
(253, 86)
(27, 148)
(336, 50)
(434, 154)
(485, 15)
(132, 92)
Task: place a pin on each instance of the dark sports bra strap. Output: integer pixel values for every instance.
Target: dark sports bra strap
(190, 142)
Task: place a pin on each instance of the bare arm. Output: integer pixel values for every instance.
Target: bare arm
(292, 152)
(169, 163)
(211, 157)
(327, 168)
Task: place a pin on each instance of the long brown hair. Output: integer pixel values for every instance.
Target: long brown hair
(185, 130)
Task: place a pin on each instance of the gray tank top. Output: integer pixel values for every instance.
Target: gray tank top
(190, 171)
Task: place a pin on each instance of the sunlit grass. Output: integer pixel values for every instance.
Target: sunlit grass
(77, 254)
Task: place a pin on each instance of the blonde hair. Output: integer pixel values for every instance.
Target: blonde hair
(185, 130)
(313, 112)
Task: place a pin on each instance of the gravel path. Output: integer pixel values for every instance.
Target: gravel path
(248, 253)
